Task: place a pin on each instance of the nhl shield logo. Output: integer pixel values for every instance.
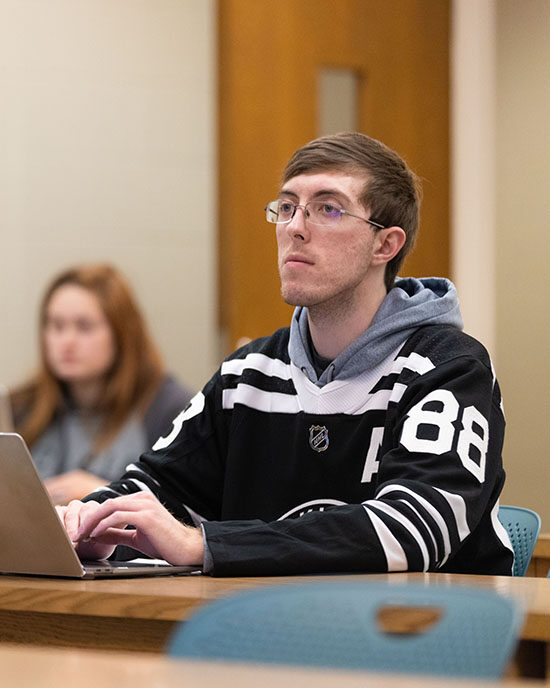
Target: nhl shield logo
(318, 438)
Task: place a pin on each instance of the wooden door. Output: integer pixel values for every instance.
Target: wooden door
(270, 54)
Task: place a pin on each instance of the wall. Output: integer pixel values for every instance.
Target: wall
(523, 246)
(501, 215)
(473, 165)
(108, 152)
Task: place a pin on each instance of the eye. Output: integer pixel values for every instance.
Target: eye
(329, 210)
(85, 326)
(286, 208)
(53, 324)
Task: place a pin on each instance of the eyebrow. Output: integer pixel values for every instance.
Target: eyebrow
(318, 194)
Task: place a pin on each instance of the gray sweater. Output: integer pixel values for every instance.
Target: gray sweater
(67, 443)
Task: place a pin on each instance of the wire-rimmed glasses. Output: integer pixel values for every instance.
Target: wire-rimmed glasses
(320, 213)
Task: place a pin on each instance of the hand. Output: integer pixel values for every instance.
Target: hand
(157, 533)
(70, 517)
(72, 485)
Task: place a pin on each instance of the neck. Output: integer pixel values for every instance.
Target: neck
(335, 325)
(86, 394)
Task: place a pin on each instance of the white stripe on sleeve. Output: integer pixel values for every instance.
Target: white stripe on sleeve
(458, 506)
(395, 556)
(413, 508)
(141, 486)
(427, 506)
(404, 521)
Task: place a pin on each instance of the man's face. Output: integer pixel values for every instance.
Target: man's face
(319, 264)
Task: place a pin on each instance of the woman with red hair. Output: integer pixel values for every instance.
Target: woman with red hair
(101, 395)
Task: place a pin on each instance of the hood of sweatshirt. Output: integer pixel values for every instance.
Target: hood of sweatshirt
(410, 304)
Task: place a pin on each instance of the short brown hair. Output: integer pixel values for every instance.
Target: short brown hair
(392, 190)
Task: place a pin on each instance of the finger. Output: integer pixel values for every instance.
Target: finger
(112, 536)
(61, 510)
(134, 503)
(76, 513)
(90, 518)
(129, 538)
(94, 550)
(119, 519)
(71, 519)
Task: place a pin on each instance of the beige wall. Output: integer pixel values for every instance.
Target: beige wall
(523, 246)
(473, 165)
(107, 152)
(501, 217)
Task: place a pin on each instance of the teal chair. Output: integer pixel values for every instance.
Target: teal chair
(523, 526)
(335, 625)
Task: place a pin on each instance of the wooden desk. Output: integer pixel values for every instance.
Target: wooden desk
(140, 614)
(39, 668)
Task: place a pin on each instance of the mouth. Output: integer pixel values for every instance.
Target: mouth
(297, 259)
(67, 360)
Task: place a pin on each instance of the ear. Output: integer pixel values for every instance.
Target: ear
(387, 244)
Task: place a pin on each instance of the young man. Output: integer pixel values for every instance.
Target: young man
(366, 437)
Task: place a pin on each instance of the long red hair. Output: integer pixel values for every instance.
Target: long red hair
(133, 379)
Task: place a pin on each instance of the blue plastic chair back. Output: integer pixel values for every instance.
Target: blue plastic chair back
(335, 625)
(523, 526)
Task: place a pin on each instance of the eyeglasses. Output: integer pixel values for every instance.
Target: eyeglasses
(317, 212)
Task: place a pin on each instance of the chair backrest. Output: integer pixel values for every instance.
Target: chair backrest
(523, 526)
(335, 625)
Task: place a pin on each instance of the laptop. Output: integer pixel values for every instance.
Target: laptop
(33, 540)
(6, 417)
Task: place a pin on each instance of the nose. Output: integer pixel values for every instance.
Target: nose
(67, 336)
(297, 227)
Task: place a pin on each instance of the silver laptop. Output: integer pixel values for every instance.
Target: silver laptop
(6, 417)
(33, 540)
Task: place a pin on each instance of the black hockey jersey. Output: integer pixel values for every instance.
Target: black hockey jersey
(398, 468)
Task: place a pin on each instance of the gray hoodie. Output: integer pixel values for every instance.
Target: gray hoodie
(412, 303)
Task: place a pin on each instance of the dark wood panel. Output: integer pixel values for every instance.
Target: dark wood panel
(269, 56)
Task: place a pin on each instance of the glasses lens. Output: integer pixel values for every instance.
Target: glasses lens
(279, 211)
(323, 213)
(317, 212)
(271, 210)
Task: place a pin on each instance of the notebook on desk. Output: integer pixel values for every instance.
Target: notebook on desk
(33, 540)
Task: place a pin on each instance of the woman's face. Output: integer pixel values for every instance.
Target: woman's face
(79, 342)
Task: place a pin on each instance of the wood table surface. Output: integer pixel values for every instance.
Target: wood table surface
(140, 614)
(28, 667)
